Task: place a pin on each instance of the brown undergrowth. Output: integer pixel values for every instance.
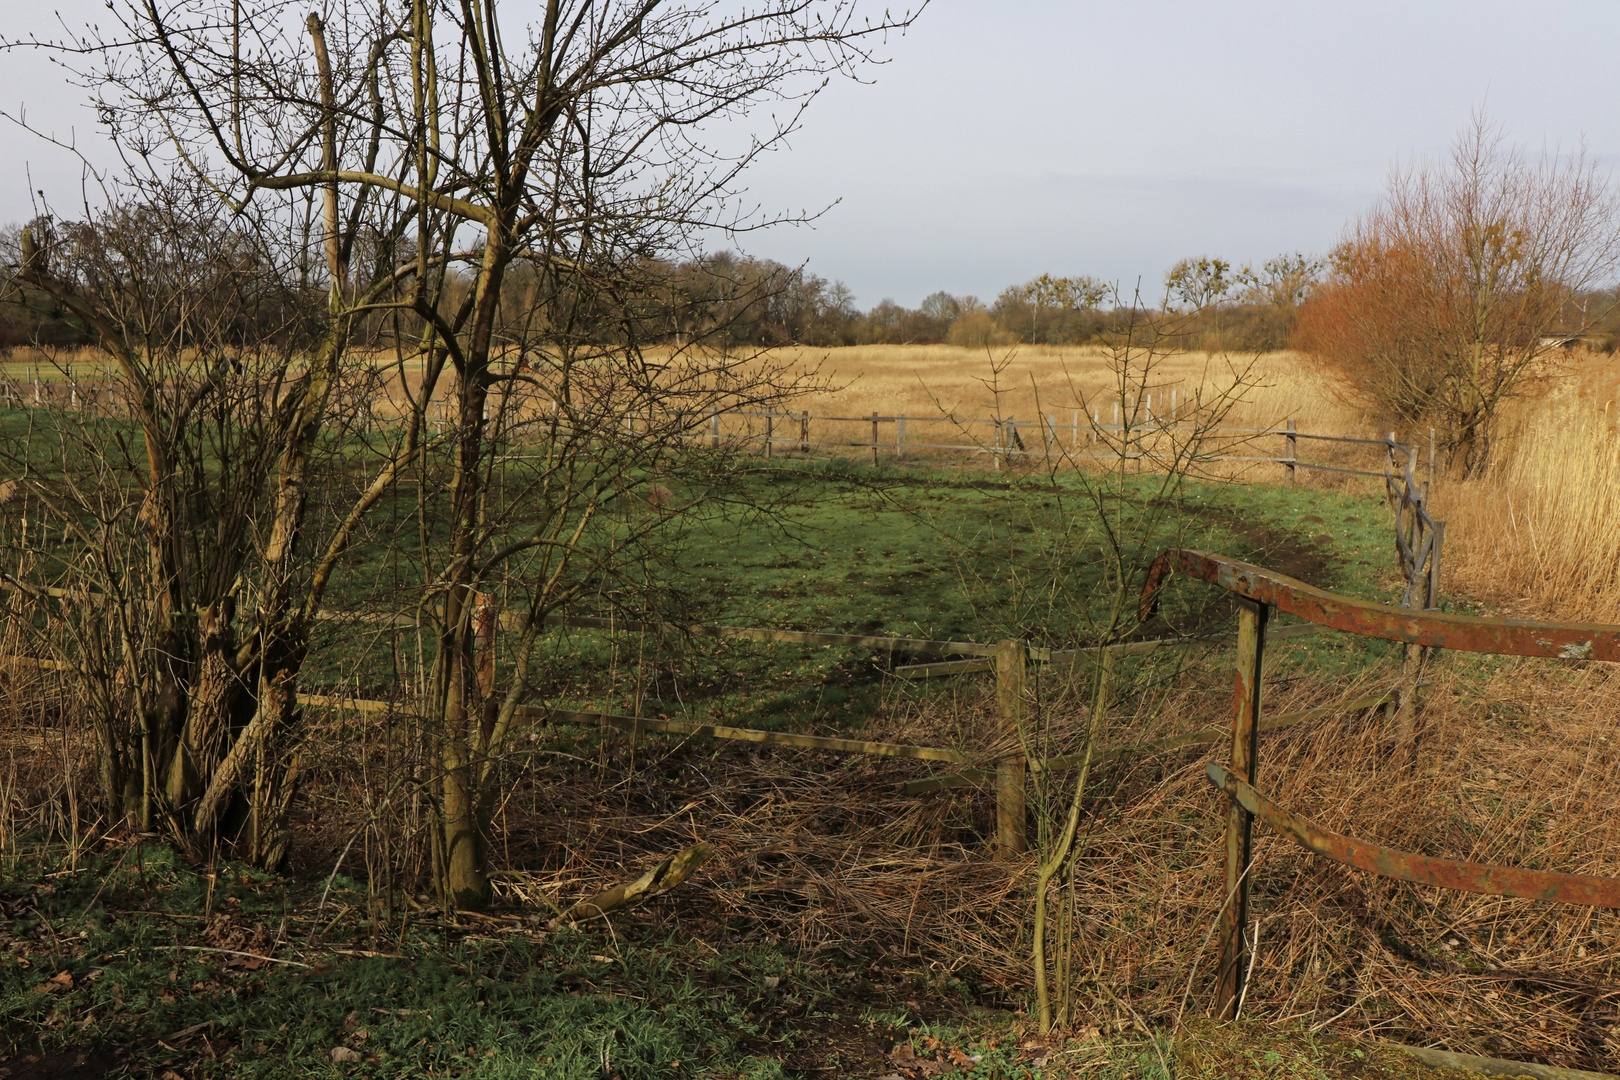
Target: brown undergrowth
(822, 854)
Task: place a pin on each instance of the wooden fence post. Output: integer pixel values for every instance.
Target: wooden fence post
(1428, 484)
(1434, 564)
(769, 430)
(484, 623)
(714, 427)
(1011, 665)
(1418, 596)
(874, 438)
(804, 432)
(899, 437)
(1291, 452)
(1251, 646)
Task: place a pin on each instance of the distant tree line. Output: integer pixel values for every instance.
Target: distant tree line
(723, 297)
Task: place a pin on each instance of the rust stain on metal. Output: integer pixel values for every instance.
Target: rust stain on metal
(1515, 637)
(1422, 869)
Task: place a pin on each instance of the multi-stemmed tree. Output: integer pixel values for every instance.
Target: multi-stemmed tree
(436, 153)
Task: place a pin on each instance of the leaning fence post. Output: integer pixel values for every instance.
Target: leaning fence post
(1251, 646)
(1011, 664)
(1291, 452)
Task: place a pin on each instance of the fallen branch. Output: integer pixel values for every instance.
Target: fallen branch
(669, 873)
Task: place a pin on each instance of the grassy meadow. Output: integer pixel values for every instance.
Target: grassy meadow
(843, 927)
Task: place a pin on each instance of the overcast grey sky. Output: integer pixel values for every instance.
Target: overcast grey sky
(1008, 139)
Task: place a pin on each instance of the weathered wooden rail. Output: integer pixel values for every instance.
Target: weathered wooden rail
(1127, 434)
(1262, 592)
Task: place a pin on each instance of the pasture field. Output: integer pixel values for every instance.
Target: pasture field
(913, 552)
(842, 927)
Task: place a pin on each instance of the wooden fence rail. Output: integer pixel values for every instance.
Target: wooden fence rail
(1127, 435)
(1076, 440)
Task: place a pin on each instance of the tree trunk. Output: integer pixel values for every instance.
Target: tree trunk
(466, 880)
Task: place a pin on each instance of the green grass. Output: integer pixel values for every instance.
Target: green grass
(942, 555)
(136, 943)
(133, 958)
(130, 961)
(920, 551)
(1207, 1050)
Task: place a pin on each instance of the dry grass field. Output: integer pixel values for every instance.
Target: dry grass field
(1026, 381)
(1539, 535)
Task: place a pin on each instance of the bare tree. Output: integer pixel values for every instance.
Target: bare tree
(1199, 282)
(1441, 300)
(434, 149)
(177, 487)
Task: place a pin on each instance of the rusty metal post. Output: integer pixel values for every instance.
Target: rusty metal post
(1251, 646)
(1011, 665)
(1291, 452)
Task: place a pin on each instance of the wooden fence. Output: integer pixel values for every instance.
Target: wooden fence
(1133, 431)
(1007, 439)
(1261, 593)
(1010, 660)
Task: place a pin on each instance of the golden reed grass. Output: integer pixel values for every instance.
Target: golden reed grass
(1539, 535)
